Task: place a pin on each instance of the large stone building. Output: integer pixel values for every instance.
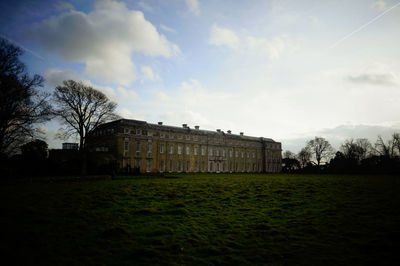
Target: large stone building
(144, 147)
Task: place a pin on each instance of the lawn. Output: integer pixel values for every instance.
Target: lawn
(203, 219)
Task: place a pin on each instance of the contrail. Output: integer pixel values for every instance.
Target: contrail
(363, 26)
(22, 47)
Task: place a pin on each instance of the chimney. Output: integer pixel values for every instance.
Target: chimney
(219, 130)
(241, 133)
(196, 127)
(160, 123)
(184, 125)
(229, 132)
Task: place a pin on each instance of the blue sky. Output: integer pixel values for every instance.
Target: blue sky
(289, 70)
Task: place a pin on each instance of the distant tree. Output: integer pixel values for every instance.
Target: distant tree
(320, 148)
(304, 157)
(289, 154)
(82, 109)
(396, 142)
(356, 150)
(387, 149)
(289, 165)
(35, 149)
(21, 105)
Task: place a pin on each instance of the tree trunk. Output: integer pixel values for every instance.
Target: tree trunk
(83, 155)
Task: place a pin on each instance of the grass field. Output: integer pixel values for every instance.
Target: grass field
(204, 219)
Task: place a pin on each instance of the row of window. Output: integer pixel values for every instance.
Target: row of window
(195, 138)
(211, 152)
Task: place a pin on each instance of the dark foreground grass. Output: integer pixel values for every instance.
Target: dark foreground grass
(204, 219)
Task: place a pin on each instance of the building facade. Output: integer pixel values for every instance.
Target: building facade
(145, 147)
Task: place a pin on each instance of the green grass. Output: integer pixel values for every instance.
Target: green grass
(203, 219)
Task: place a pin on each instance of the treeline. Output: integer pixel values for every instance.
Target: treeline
(355, 156)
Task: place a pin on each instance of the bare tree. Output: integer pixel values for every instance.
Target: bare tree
(385, 149)
(82, 109)
(304, 156)
(396, 142)
(289, 155)
(356, 150)
(21, 105)
(320, 148)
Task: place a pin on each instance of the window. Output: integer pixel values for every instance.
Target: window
(210, 152)
(187, 150)
(179, 136)
(161, 148)
(171, 166)
(196, 138)
(126, 146)
(137, 146)
(223, 153)
(171, 149)
(161, 135)
(162, 166)
(254, 155)
(127, 131)
(179, 149)
(138, 132)
(248, 155)
(187, 166)
(149, 165)
(203, 151)
(149, 147)
(230, 154)
(242, 154)
(236, 154)
(196, 150)
(171, 136)
(187, 137)
(217, 152)
(149, 133)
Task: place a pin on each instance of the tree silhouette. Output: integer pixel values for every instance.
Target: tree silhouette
(82, 109)
(304, 157)
(21, 105)
(320, 148)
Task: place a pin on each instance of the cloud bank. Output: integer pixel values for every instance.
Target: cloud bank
(104, 40)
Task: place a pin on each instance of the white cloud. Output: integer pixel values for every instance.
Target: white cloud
(193, 6)
(379, 5)
(222, 36)
(273, 48)
(61, 6)
(148, 74)
(190, 86)
(145, 6)
(104, 40)
(167, 29)
(127, 95)
(55, 77)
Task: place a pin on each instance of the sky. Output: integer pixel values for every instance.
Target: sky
(287, 70)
